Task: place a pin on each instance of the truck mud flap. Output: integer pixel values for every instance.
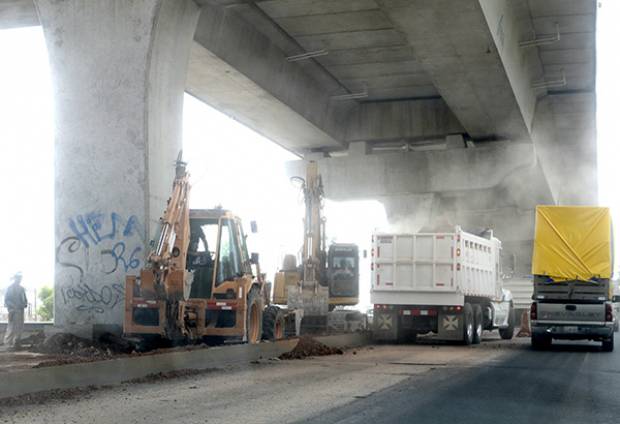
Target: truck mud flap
(385, 325)
(450, 325)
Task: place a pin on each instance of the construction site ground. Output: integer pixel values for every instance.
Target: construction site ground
(64, 349)
(438, 383)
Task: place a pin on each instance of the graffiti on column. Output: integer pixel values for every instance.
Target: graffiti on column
(96, 255)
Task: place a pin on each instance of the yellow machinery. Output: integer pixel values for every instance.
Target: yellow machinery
(324, 280)
(198, 281)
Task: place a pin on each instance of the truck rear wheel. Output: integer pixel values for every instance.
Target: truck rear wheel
(273, 323)
(608, 344)
(477, 336)
(541, 341)
(468, 324)
(508, 332)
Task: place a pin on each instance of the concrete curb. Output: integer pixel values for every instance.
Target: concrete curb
(116, 371)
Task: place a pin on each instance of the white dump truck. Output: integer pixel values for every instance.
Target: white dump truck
(446, 283)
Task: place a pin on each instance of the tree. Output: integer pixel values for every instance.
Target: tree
(46, 310)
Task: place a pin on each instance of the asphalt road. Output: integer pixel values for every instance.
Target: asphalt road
(495, 382)
(573, 382)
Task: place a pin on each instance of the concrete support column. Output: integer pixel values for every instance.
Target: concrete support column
(119, 70)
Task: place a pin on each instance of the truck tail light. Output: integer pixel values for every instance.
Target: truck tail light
(609, 315)
(384, 307)
(457, 308)
(533, 311)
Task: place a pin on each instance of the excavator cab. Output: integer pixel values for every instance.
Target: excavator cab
(343, 274)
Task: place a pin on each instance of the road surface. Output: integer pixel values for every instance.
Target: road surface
(495, 382)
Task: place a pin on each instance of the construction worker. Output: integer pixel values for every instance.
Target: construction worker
(15, 301)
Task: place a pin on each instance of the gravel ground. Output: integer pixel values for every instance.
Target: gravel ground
(265, 391)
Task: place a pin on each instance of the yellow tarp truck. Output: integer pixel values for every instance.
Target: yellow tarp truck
(572, 267)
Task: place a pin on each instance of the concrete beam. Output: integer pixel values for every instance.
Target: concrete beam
(17, 13)
(565, 138)
(401, 120)
(289, 102)
(392, 174)
(452, 40)
(118, 71)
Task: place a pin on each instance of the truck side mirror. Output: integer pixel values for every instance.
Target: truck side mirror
(253, 227)
(254, 258)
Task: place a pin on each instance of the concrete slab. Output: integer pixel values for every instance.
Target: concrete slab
(367, 20)
(286, 8)
(560, 7)
(368, 55)
(352, 40)
(116, 371)
(546, 25)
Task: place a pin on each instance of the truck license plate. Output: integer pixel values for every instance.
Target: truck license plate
(570, 329)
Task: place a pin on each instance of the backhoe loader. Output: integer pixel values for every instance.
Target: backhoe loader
(198, 281)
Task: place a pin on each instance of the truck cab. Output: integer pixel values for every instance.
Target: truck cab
(572, 310)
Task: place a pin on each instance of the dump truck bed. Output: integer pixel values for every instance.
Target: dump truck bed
(434, 268)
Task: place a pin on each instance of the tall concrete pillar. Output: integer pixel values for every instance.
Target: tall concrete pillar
(119, 70)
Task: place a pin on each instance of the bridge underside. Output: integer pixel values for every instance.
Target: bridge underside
(467, 111)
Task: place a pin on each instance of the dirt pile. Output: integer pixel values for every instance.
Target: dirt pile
(182, 373)
(307, 346)
(71, 345)
(34, 339)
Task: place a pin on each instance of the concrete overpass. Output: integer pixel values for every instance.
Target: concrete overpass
(467, 111)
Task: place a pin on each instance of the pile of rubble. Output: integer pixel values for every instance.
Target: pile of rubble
(307, 346)
(68, 348)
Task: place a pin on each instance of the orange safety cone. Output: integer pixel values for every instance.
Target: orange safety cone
(525, 331)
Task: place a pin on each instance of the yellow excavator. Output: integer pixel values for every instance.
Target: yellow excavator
(325, 280)
(198, 280)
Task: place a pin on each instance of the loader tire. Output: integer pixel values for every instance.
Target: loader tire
(468, 324)
(254, 317)
(477, 310)
(273, 323)
(508, 332)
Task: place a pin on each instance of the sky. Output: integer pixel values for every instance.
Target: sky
(607, 95)
(230, 164)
